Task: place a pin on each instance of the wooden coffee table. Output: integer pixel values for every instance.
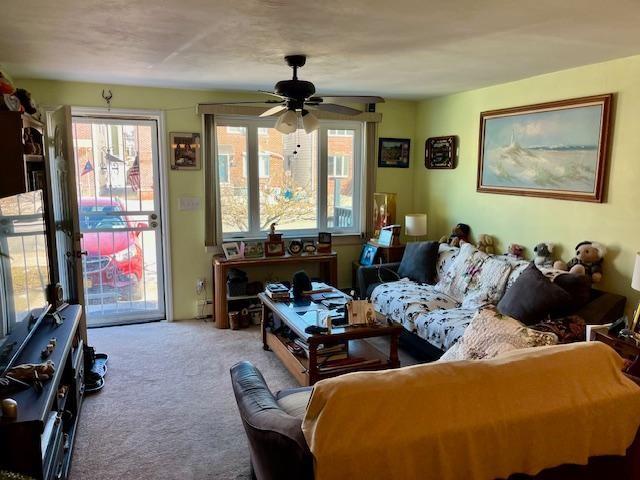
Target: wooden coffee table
(298, 317)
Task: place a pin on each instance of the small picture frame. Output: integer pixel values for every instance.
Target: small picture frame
(394, 152)
(253, 249)
(368, 254)
(295, 247)
(274, 249)
(309, 246)
(185, 151)
(324, 242)
(440, 152)
(386, 237)
(232, 250)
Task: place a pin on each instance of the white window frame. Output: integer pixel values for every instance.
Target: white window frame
(227, 157)
(344, 163)
(235, 130)
(339, 132)
(266, 158)
(253, 124)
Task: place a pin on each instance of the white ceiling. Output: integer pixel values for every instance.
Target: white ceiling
(395, 48)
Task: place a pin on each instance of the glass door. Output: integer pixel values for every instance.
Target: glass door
(118, 202)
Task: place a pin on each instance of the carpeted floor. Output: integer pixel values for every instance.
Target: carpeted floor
(167, 410)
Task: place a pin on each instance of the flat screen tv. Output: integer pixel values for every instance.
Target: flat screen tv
(24, 272)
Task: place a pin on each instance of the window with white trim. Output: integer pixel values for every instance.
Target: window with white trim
(306, 183)
(338, 166)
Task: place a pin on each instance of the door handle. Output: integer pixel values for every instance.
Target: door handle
(77, 254)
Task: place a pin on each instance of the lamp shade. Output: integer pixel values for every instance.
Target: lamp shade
(415, 224)
(287, 122)
(635, 280)
(309, 121)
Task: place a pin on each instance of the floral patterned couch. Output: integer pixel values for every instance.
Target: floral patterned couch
(437, 315)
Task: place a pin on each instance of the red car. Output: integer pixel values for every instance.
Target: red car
(113, 264)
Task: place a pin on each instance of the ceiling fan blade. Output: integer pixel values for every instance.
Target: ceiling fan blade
(349, 98)
(273, 110)
(332, 107)
(267, 92)
(244, 102)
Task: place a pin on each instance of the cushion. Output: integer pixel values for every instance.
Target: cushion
(419, 262)
(295, 404)
(490, 334)
(446, 255)
(455, 280)
(443, 328)
(487, 282)
(404, 300)
(532, 297)
(578, 287)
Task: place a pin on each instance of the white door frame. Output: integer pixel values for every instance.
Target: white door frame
(158, 116)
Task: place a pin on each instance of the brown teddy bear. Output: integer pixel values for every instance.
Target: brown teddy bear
(486, 244)
(459, 234)
(588, 261)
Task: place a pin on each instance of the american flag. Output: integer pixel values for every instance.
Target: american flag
(133, 175)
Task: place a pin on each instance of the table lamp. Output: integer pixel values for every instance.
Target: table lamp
(415, 225)
(635, 284)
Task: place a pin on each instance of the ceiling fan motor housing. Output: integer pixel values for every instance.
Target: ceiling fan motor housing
(295, 89)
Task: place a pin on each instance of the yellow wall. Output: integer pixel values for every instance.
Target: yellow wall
(189, 258)
(450, 196)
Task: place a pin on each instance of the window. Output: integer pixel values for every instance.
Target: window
(264, 166)
(340, 133)
(223, 167)
(305, 183)
(337, 166)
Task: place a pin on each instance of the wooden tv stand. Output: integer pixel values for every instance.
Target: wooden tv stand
(47, 420)
(328, 271)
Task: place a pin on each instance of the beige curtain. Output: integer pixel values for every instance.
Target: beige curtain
(212, 221)
(371, 168)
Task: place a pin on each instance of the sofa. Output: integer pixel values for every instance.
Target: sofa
(435, 316)
(278, 449)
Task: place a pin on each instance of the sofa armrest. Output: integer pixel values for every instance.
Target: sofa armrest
(603, 308)
(367, 276)
(277, 445)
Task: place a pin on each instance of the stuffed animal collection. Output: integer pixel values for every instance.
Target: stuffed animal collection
(486, 244)
(543, 258)
(459, 234)
(587, 261)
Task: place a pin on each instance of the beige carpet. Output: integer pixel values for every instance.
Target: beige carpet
(167, 410)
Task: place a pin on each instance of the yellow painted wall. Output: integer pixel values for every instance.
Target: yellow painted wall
(189, 258)
(450, 196)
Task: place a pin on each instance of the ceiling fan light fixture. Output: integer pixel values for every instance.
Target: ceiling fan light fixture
(287, 122)
(309, 121)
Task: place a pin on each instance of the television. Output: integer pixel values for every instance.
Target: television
(24, 272)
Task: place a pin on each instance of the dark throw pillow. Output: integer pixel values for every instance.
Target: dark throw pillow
(578, 287)
(532, 297)
(419, 262)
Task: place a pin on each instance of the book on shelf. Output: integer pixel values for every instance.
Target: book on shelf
(323, 353)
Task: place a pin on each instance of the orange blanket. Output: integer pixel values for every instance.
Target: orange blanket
(524, 412)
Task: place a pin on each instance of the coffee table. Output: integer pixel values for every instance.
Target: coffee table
(297, 317)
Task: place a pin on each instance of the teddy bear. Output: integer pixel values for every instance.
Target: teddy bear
(459, 234)
(588, 261)
(543, 258)
(486, 244)
(515, 251)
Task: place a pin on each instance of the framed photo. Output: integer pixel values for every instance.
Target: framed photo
(295, 247)
(393, 152)
(440, 152)
(253, 249)
(368, 254)
(384, 211)
(232, 250)
(185, 151)
(386, 237)
(554, 150)
(274, 249)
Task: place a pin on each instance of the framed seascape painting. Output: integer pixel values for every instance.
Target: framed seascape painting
(554, 150)
(394, 152)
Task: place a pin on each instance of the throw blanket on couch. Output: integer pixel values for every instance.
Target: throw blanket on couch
(520, 413)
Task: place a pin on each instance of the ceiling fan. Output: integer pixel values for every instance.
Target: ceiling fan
(295, 97)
